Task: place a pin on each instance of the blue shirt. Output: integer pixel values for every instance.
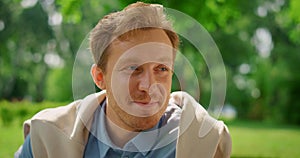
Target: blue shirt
(160, 141)
(26, 149)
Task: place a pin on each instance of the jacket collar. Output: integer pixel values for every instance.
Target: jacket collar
(84, 117)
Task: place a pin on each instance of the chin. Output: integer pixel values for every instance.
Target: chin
(144, 123)
(146, 126)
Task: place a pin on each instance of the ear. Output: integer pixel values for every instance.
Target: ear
(98, 76)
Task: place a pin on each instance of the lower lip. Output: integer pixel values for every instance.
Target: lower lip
(146, 105)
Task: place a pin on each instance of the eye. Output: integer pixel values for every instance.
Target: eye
(163, 68)
(132, 67)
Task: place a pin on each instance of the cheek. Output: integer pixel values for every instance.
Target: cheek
(166, 87)
(120, 87)
(132, 84)
(121, 81)
(166, 82)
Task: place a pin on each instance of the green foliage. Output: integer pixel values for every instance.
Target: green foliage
(12, 116)
(18, 112)
(71, 10)
(6, 116)
(269, 91)
(23, 39)
(58, 86)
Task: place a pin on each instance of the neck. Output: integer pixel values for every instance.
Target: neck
(117, 130)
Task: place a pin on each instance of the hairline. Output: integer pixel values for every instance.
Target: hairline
(106, 53)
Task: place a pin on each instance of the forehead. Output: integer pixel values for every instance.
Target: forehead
(147, 45)
(151, 52)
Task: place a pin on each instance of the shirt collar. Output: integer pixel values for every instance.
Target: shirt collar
(99, 130)
(137, 144)
(150, 136)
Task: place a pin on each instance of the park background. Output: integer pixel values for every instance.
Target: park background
(258, 40)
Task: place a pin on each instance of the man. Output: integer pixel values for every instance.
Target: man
(134, 115)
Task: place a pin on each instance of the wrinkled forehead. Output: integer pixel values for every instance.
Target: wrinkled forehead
(150, 52)
(143, 46)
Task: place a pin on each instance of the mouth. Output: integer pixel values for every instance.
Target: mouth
(146, 104)
(144, 108)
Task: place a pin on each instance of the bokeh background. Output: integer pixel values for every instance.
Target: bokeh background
(259, 41)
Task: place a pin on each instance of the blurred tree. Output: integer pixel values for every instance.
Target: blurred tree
(58, 88)
(258, 41)
(24, 36)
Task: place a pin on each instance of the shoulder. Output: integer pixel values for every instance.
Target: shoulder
(70, 111)
(197, 129)
(60, 118)
(50, 115)
(54, 114)
(64, 117)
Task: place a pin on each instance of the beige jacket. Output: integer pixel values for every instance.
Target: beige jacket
(63, 132)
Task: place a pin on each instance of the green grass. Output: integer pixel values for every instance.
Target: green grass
(12, 116)
(250, 139)
(256, 139)
(10, 140)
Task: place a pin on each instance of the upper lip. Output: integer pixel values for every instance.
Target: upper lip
(145, 102)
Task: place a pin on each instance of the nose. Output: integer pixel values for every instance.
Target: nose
(146, 79)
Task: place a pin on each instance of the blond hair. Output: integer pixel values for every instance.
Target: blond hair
(136, 16)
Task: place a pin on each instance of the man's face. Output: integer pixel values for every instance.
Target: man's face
(138, 79)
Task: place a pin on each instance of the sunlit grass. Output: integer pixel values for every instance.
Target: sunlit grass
(15, 113)
(10, 140)
(264, 140)
(250, 139)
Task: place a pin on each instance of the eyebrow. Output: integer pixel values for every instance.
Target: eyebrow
(136, 60)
